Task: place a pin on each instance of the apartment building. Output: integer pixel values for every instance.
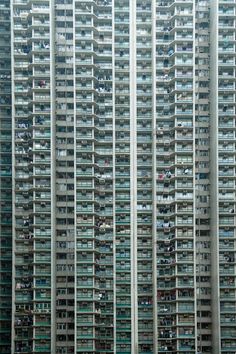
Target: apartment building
(119, 119)
(5, 179)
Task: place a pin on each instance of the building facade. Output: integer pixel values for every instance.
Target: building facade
(122, 141)
(5, 179)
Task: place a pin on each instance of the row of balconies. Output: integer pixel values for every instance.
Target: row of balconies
(107, 199)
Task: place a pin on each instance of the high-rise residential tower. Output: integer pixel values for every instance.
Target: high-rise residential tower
(123, 176)
(5, 179)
